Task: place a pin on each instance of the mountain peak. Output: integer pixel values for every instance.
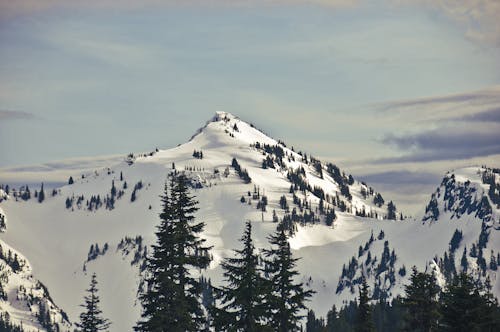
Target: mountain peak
(221, 115)
(227, 127)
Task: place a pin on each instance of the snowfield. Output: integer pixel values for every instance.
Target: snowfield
(56, 239)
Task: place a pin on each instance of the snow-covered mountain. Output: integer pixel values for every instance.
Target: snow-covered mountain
(103, 220)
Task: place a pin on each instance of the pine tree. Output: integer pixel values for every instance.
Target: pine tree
(468, 306)
(242, 300)
(314, 324)
(421, 302)
(463, 262)
(90, 319)
(391, 211)
(331, 319)
(70, 181)
(285, 298)
(172, 299)
(41, 195)
(364, 322)
(493, 261)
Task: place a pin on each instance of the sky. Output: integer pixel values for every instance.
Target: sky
(397, 92)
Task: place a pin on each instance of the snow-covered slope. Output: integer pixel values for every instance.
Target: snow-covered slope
(104, 221)
(25, 299)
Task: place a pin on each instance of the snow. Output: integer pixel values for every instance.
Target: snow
(56, 240)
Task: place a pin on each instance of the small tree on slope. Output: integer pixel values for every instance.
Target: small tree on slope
(90, 319)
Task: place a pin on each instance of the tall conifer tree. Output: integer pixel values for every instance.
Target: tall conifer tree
(242, 300)
(468, 306)
(421, 302)
(285, 298)
(364, 322)
(172, 299)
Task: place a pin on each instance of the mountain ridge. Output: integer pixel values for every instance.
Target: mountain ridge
(237, 173)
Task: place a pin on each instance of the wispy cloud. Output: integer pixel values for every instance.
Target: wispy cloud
(108, 51)
(490, 115)
(478, 18)
(465, 106)
(21, 7)
(445, 144)
(6, 115)
(400, 177)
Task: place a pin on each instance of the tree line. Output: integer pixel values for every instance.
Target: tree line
(464, 304)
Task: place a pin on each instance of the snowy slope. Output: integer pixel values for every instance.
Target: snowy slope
(22, 296)
(58, 234)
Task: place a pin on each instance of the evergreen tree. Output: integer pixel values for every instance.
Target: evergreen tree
(455, 240)
(421, 302)
(171, 301)
(285, 298)
(243, 307)
(90, 319)
(364, 322)
(493, 261)
(113, 188)
(314, 324)
(391, 211)
(41, 195)
(70, 181)
(331, 319)
(463, 262)
(378, 200)
(468, 306)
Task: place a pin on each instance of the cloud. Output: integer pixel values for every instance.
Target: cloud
(490, 115)
(478, 18)
(22, 7)
(15, 115)
(444, 144)
(401, 177)
(480, 97)
(450, 127)
(467, 106)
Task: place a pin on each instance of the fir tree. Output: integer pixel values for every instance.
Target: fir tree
(171, 301)
(90, 319)
(113, 188)
(391, 211)
(285, 297)
(70, 181)
(314, 324)
(378, 200)
(364, 321)
(463, 262)
(421, 302)
(41, 195)
(493, 261)
(455, 240)
(468, 306)
(242, 300)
